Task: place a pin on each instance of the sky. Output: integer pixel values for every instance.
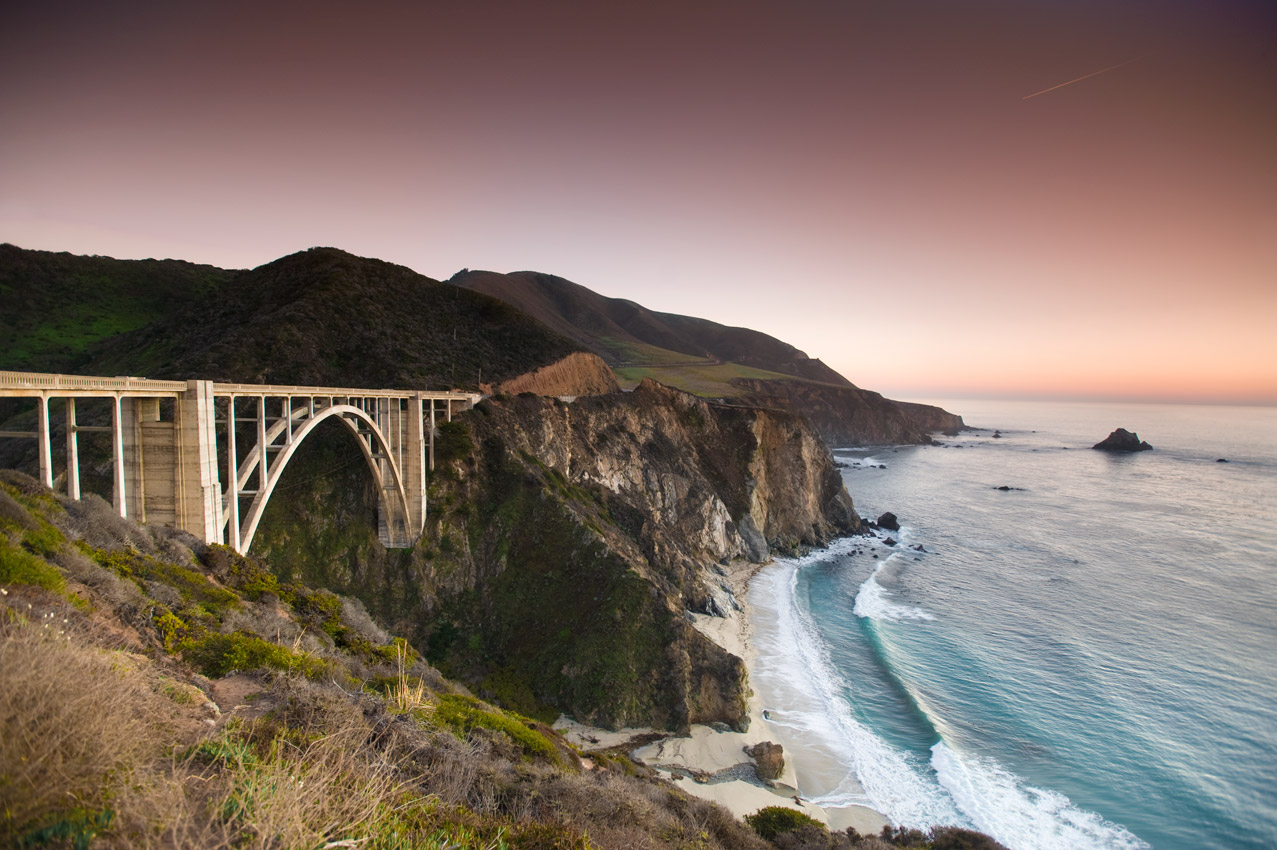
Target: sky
(894, 186)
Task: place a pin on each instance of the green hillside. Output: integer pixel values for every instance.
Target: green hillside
(57, 307)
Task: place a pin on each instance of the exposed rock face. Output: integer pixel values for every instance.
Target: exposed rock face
(769, 759)
(1122, 440)
(575, 375)
(889, 521)
(931, 418)
(565, 543)
(850, 416)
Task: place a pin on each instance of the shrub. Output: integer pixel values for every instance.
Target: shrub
(218, 655)
(21, 567)
(452, 442)
(462, 715)
(191, 585)
(772, 821)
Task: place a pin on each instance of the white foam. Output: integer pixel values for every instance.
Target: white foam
(874, 601)
(1020, 816)
(794, 673)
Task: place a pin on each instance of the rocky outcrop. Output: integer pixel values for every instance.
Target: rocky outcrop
(889, 522)
(769, 759)
(577, 374)
(930, 418)
(1122, 440)
(850, 416)
(566, 542)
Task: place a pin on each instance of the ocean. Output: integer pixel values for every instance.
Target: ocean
(1087, 659)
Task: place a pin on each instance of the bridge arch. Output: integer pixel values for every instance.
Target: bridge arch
(391, 496)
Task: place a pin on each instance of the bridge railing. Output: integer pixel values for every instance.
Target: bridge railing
(46, 382)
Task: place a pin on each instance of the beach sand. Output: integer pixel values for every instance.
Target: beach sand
(708, 751)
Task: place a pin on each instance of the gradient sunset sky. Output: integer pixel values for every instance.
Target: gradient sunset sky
(879, 183)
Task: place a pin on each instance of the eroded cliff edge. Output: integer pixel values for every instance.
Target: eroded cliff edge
(565, 543)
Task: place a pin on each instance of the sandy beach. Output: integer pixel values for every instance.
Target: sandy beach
(719, 756)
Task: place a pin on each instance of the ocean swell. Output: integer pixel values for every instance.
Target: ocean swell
(811, 699)
(1022, 817)
(874, 602)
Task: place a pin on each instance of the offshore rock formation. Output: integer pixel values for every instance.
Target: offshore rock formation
(575, 375)
(565, 542)
(1122, 440)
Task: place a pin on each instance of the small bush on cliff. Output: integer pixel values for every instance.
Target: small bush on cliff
(463, 714)
(217, 655)
(775, 820)
(18, 566)
(452, 442)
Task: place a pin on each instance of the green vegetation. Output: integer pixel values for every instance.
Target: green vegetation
(462, 715)
(708, 380)
(773, 821)
(217, 655)
(59, 307)
(18, 566)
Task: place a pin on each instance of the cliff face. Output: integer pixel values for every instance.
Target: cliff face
(850, 416)
(575, 375)
(565, 542)
(931, 418)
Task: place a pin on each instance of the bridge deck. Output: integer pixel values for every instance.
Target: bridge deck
(31, 384)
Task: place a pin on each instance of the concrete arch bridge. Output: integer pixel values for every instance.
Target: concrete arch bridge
(170, 439)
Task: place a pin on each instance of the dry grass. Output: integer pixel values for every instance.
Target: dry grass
(407, 696)
(73, 724)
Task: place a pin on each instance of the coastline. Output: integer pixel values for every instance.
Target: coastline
(711, 762)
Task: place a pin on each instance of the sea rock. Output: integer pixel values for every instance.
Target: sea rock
(1221, 460)
(889, 521)
(769, 759)
(1122, 440)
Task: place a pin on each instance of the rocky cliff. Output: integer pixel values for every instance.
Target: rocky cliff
(931, 418)
(565, 542)
(850, 416)
(575, 375)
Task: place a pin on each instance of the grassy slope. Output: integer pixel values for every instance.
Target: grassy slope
(632, 338)
(117, 642)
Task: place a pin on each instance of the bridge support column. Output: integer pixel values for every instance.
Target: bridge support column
(119, 496)
(198, 490)
(73, 451)
(138, 433)
(414, 467)
(46, 443)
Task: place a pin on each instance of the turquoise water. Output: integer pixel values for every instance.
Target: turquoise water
(1089, 660)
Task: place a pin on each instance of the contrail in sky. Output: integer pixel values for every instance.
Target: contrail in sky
(1080, 79)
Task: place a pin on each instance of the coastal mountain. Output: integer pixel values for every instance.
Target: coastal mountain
(573, 536)
(321, 316)
(637, 494)
(736, 365)
(325, 317)
(628, 335)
